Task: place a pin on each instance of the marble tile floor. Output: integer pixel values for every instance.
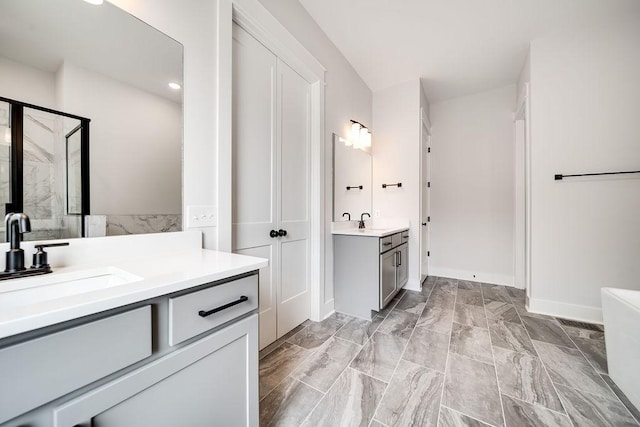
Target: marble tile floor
(458, 353)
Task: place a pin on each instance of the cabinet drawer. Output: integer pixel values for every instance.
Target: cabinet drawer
(43, 369)
(385, 243)
(185, 320)
(397, 239)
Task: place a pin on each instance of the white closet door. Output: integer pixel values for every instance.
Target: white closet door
(293, 183)
(255, 166)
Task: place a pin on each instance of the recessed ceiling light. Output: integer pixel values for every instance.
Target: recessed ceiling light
(95, 2)
(174, 86)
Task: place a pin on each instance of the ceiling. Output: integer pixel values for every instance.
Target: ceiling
(456, 47)
(102, 38)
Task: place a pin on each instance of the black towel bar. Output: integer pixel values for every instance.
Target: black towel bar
(559, 177)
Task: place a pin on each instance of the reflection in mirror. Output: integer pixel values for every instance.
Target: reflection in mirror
(351, 170)
(99, 63)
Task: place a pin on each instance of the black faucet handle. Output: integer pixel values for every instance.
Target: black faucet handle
(50, 245)
(40, 257)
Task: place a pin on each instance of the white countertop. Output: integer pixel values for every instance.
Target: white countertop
(158, 276)
(369, 232)
(376, 227)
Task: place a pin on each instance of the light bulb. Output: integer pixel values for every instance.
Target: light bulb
(174, 86)
(355, 134)
(363, 136)
(367, 140)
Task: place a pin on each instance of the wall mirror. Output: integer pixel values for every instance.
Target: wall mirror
(352, 180)
(90, 130)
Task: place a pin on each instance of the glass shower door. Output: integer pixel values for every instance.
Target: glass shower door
(45, 176)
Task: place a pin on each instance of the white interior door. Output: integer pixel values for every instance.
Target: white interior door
(294, 136)
(424, 199)
(271, 169)
(254, 168)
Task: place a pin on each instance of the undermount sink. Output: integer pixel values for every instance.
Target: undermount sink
(28, 291)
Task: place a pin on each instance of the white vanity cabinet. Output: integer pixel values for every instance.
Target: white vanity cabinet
(369, 271)
(159, 362)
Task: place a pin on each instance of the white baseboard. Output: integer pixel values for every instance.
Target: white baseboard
(565, 310)
(413, 285)
(325, 310)
(494, 279)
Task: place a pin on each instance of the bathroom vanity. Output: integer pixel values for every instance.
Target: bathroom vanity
(370, 268)
(135, 340)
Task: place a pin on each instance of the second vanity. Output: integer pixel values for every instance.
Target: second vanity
(165, 340)
(370, 267)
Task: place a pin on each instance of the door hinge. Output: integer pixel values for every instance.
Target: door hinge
(429, 184)
(428, 219)
(428, 253)
(428, 149)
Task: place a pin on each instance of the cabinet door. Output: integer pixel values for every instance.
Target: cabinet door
(387, 277)
(211, 391)
(213, 381)
(403, 265)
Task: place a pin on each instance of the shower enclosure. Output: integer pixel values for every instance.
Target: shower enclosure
(44, 168)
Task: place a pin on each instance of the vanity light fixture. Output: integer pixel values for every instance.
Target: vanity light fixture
(95, 2)
(360, 137)
(174, 86)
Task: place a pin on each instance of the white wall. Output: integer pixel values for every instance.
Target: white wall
(135, 159)
(472, 187)
(27, 84)
(585, 104)
(396, 158)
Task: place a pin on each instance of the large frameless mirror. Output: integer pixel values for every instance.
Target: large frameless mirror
(90, 130)
(352, 181)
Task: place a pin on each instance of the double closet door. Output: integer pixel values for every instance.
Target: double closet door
(271, 169)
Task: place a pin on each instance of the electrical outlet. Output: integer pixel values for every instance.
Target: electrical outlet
(201, 216)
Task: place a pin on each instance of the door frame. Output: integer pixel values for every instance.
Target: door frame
(257, 21)
(425, 125)
(522, 114)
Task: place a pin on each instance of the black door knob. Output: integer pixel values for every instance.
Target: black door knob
(424, 223)
(273, 233)
(282, 232)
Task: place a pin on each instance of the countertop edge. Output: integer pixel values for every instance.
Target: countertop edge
(150, 287)
(369, 233)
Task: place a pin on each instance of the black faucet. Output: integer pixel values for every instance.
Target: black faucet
(348, 216)
(361, 223)
(15, 225)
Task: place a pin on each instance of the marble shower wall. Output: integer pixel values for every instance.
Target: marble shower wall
(118, 225)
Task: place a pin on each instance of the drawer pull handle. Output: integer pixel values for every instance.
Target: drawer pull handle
(405, 237)
(240, 300)
(386, 244)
